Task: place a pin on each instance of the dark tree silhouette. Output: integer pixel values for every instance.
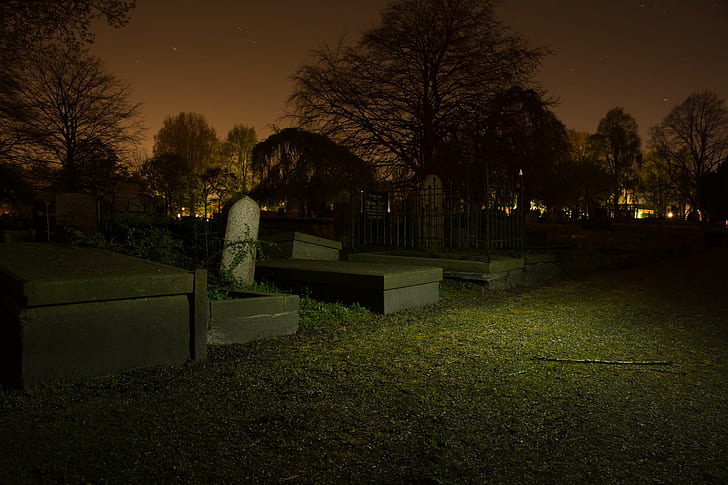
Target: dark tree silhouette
(170, 176)
(618, 141)
(27, 26)
(522, 133)
(425, 75)
(693, 138)
(98, 168)
(59, 108)
(189, 136)
(654, 183)
(237, 152)
(578, 185)
(305, 169)
(715, 195)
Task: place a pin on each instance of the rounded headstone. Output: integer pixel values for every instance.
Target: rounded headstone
(241, 233)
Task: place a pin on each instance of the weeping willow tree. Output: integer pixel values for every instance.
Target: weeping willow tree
(306, 170)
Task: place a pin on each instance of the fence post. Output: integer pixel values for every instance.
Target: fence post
(487, 212)
(522, 218)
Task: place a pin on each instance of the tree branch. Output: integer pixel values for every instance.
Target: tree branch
(596, 361)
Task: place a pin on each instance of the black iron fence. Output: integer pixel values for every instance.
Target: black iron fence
(436, 217)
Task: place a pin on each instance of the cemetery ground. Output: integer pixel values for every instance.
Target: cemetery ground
(449, 393)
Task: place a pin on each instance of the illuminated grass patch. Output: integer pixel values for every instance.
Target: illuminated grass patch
(449, 393)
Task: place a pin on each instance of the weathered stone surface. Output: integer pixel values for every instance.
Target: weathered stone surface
(383, 288)
(47, 274)
(252, 316)
(496, 265)
(297, 245)
(200, 317)
(502, 272)
(242, 225)
(68, 313)
(84, 340)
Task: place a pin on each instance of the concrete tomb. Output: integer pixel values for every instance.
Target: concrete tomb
(252, 315)
(501, 272)
(297, 245)
(238, 256)
(383, 288)
(68, 313)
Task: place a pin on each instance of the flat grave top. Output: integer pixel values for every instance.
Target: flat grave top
(348, 273)
(497, 264)
(299, 236)
(45, 274)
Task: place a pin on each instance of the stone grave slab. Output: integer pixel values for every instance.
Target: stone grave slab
(501, 272)
(252, 315)
(383, 288)
(69, 313)
(297, 245)
(496, 265)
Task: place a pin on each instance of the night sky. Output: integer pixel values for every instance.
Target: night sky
(231, 60)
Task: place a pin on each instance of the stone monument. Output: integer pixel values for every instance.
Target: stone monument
(238, 255)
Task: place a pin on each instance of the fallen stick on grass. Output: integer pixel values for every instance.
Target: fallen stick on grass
(594, 361)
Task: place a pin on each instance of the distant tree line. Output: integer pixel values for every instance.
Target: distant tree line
(438, 87)
(443, 87)
(191, 168)
(683, 174)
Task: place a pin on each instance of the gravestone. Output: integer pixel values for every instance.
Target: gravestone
(238, 256)
(432, 213)
(77, 211)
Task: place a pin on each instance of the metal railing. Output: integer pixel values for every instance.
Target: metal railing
(440, 218)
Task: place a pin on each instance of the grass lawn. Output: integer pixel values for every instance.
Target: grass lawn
(450, 393)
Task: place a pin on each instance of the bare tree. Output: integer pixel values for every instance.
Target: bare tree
(26, 26)
(426, 73)
(59, 106)
(693, 138)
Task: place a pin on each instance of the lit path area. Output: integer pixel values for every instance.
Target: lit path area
(618, 377)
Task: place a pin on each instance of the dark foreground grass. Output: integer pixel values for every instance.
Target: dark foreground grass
(445, 394)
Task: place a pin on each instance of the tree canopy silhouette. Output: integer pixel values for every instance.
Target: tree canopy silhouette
(170, 176)
(189, 136)
(27, 26)
(59, 109)
(618, 141)
(237, 151)
(425, 76)
(693, 138)
(305, 169)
